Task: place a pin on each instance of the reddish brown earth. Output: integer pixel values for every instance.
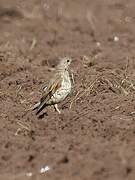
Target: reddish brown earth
(94, 137)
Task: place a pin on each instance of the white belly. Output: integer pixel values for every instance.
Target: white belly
(63, 91)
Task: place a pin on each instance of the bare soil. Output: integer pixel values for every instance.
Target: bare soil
(94, 137)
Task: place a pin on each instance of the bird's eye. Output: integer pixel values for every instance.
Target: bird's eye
(68, 60)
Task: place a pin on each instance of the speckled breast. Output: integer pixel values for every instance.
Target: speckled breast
(64, 90)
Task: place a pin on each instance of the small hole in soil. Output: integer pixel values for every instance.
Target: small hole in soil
(30, 158)
(128, 170)
(64, 160)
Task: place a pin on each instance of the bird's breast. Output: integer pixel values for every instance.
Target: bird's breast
(64, 89)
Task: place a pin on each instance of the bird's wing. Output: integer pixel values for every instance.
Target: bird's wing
(54, 84)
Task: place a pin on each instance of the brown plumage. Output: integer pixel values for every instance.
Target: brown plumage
(58, 87)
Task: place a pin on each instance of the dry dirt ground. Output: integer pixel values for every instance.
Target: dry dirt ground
(94, 137)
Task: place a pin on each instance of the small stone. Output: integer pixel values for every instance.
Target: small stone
(98, 44)
(116, 38)
(29, 174)
(44, 169)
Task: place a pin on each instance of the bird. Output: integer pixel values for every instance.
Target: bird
(58, 87)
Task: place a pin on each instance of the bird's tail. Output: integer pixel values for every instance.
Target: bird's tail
(39, 107)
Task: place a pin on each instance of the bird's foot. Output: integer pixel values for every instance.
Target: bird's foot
(56, 108)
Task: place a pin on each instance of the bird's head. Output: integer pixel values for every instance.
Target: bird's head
(64, 63)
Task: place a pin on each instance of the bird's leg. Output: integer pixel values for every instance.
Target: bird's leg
(72, 76)
(56, 108)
